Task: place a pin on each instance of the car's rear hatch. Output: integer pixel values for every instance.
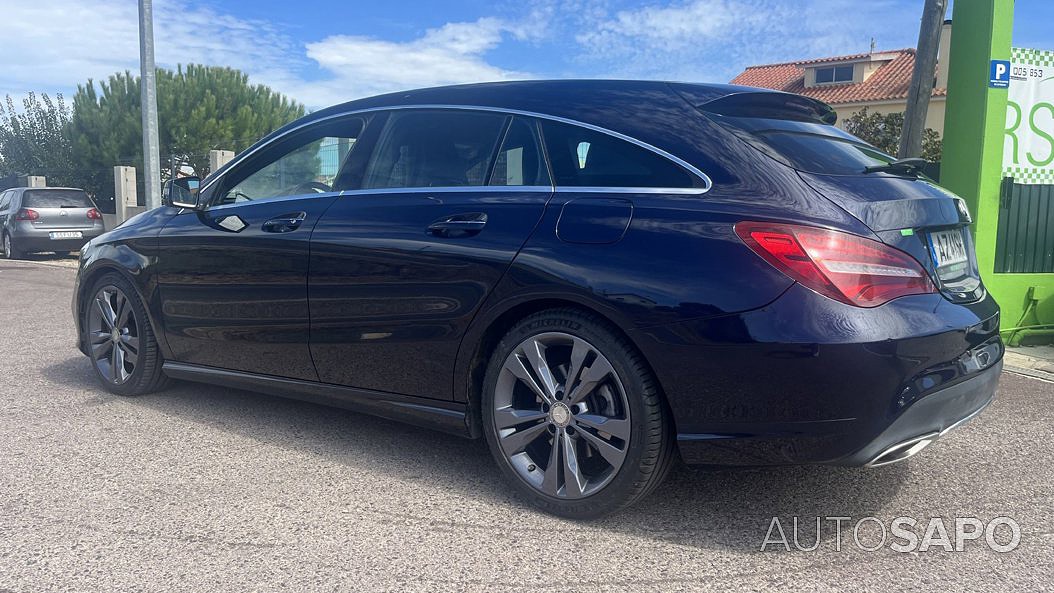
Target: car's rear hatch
(59, 209)
(904, 209)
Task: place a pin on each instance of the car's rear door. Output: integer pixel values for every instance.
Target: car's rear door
(233, 276)
(399, 268)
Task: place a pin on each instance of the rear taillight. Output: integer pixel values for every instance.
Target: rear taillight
(27, 214)
(838, 265)
(94, 214)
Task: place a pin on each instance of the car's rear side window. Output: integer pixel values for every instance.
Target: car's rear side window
(581, 157)
(56, 198)
(809, 147)
(435, 149)
(519, 160)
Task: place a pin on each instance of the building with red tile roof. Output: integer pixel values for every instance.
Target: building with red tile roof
(876, 80)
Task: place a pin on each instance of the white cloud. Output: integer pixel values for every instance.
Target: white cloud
(712, 40)
(55, 45)
(360, 66)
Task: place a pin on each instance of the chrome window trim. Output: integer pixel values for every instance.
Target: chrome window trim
(504, 189)
(707, 183)
(450, 189)
(394, 190)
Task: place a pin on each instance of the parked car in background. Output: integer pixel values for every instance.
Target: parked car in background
(593, 275)
(58, 219)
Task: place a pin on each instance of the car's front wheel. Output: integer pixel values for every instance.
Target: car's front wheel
(120, 340)
(574, 416)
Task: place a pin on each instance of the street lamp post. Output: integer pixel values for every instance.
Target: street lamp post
(148, 88)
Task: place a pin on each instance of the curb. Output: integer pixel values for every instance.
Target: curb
(1029, 366)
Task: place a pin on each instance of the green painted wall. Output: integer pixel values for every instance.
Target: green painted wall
(973, 149)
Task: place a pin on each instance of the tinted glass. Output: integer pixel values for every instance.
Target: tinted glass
(56, 198)
(814, 148)
(435, 149)
(5, 198)
(824, 75)
(581, 157)
(304, 164)
(843, 74)
(519, 160)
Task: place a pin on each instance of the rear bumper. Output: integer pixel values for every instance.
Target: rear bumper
(806, 379)
(928, 419)
(42, 241)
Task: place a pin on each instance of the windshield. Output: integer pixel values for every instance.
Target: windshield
(809, 147)
(56, 198)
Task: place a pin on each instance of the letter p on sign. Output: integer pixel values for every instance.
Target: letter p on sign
(999, 74)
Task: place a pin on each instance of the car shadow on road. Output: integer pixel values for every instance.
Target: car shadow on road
(723, 509)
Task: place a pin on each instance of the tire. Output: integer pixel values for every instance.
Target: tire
(124, 326)
(11, 251)
(524, 415)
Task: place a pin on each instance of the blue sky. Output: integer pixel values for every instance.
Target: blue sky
(324, 52)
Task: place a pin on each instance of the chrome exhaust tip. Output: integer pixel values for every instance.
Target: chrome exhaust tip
(903, 450)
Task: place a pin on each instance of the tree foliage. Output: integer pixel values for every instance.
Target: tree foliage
(200, 108)
(33, 141)
(883, 131)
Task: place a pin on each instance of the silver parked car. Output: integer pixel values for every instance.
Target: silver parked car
(59, 219)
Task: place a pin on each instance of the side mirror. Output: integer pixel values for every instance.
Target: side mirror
(182, 192)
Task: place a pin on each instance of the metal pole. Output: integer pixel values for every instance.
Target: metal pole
(148, 81)
(922, 78)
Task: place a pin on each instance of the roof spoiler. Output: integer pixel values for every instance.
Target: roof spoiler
(772, 105)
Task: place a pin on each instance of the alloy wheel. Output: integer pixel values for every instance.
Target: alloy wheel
(561, 415)
(113, 334)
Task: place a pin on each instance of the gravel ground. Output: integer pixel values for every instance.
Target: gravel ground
(207, 489)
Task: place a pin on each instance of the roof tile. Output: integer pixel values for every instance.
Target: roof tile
(889, 82)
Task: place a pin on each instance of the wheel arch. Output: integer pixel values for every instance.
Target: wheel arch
(485, 334)
(96, 270)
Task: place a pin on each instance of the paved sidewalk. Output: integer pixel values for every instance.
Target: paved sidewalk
(1034, 361)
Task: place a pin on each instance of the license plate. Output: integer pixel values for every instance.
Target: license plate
(65, 234)
(948, 248)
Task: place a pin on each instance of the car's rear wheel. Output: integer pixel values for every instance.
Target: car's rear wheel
(11, 251)
(119, 339)
(574, 416)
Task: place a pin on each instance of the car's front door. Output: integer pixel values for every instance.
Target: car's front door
(399, 268)
(233, 275)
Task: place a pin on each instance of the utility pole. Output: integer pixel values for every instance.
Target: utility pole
(922, 78)
(148, 88)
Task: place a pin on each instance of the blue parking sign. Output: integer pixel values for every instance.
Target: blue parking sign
(999, 74)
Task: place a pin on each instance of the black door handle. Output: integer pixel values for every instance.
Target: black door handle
(284, 223)
(459, 225)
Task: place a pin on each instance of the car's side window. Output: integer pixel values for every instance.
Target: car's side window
(434, 149)
(519, 160)
(307, 162)
(5, 198)
(581, 157)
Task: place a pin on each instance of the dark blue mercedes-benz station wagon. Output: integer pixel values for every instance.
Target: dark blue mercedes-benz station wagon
(596, 276)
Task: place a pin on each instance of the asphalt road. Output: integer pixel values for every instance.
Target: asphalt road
(208, 489)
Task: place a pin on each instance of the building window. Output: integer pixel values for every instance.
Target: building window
(834, 74)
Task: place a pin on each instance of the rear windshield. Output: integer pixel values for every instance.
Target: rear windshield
(56, 198)
(809, 147)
